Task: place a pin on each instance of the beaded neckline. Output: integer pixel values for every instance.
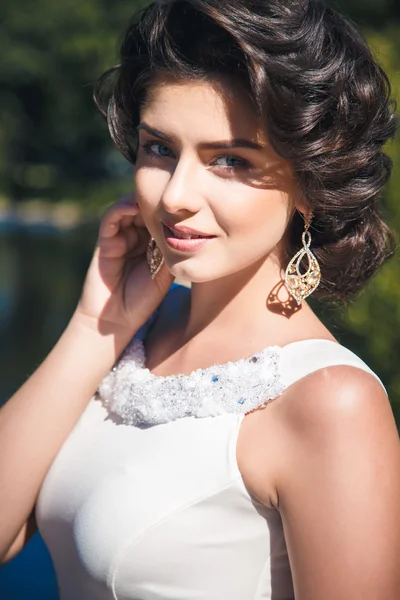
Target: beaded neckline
(140, 397)
(204, 370)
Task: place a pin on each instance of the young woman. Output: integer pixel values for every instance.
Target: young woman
(236, 451)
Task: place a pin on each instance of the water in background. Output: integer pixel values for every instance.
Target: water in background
(41, 274)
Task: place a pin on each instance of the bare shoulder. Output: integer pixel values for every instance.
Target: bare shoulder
(336, 412)
(337, 395)
(338, 485)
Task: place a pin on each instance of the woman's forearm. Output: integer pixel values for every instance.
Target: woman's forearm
(36, 421)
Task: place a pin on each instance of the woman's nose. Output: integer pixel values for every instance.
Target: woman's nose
(183, 190)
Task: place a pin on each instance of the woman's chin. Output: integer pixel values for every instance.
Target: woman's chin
(190, 275)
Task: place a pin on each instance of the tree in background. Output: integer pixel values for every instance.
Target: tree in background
(52, 140)
(375, 13)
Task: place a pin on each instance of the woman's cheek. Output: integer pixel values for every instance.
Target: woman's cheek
(148, 188)
(261, 217)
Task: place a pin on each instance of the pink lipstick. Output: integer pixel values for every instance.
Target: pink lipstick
(184, 242)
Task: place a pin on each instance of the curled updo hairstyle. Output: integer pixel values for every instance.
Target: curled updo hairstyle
(316, 87)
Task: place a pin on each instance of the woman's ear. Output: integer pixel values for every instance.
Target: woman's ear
(301, 205)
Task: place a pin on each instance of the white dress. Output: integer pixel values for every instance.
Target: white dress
(145, 500)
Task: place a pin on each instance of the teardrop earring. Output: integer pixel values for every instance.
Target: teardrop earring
(301, 285)
(154, 256)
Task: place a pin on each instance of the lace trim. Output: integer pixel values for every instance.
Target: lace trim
(139, 397)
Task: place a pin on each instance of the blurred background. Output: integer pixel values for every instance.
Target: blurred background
(59, 170)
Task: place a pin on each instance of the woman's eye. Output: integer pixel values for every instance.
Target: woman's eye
(231, 162)
(156, 150)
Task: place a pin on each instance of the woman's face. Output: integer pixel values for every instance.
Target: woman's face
(204, 163)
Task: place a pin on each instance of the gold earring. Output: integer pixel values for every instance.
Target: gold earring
(301, 285)
(155, 259)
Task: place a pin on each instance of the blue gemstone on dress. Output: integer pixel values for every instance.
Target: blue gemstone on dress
(241, 401)
(214, 379)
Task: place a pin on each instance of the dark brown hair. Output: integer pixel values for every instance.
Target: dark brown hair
(315, 84)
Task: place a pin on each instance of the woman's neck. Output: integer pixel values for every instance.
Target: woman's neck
(244, 303)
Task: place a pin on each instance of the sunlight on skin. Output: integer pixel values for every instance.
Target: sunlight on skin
(237, 194)
(204, 162)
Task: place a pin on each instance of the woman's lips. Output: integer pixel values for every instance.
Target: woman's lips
(184, 245)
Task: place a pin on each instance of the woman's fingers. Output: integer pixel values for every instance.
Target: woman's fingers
(115, 217)
(122, 231)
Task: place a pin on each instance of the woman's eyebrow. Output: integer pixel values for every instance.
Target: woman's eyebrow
(235, 143)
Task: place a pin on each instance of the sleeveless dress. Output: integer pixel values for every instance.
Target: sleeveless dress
(145, 500)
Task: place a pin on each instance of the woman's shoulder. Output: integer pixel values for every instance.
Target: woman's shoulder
(330, 404)
(332, 397)
(315, 359)
(338, 470)
(334, 390)
(328, 387)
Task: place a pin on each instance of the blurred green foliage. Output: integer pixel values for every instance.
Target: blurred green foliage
(52, 140)
(372, 321)
(376, 13)
(54, 144)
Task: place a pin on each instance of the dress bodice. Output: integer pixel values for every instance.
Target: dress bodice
(145, 500)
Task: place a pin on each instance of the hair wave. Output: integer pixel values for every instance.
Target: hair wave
(325, 102)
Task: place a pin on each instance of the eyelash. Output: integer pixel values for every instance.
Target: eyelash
(149, 143)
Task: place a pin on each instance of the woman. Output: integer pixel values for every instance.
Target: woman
(236, 450)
